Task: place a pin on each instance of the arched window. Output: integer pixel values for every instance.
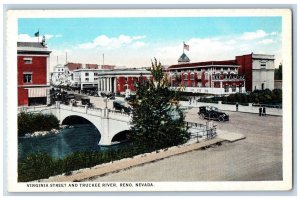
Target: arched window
(192, 76)
(186, 76)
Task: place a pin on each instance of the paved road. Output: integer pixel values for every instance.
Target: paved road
(258, 157)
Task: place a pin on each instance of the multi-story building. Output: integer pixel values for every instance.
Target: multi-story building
(258, 70)
(33, 73)
(85, 78)
(76, 75)
(245, 73)
(121, 81)
(61, 76)
(211, 77)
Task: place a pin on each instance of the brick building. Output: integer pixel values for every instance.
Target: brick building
(258, 70)
(121, 81)
(33, 73)
(245, 73)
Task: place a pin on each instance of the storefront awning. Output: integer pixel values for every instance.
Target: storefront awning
(37, 92)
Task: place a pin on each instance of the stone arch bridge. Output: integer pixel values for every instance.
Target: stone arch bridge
(108, 122)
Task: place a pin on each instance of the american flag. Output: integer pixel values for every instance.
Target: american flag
(185, 46)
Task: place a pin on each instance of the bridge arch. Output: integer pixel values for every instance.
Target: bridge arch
(75, 119)
(108, 123)
(121, 136)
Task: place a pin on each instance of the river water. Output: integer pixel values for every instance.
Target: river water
(81, 138)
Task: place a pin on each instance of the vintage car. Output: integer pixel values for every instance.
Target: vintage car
(120, 105)
(212, 113)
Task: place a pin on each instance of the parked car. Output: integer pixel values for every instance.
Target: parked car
(85, 100)
(130, 97)
(120, 105)
(209, 112)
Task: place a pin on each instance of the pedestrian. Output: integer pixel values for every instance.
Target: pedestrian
(260, 110)
(190, 100)
(237, 106)
(264, 111)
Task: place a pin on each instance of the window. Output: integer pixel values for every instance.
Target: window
(95, 79)
(28, 60)
(263, 64)
(95, 74)
(206, 76)
(192, 76)
(86, 74)
(27, 77)
(185, 77)
(226, 88)
(233, 88)
(87, 79)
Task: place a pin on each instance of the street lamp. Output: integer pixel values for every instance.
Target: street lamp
(106, 99)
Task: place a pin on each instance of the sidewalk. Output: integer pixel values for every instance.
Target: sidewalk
(226, 107)
(103, 169)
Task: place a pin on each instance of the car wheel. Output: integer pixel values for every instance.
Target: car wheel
(221, 119)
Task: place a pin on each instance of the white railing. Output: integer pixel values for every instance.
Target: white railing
(94, 111)
(34, 108)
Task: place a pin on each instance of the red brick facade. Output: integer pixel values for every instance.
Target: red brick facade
(245, 69)
(124, 83)
(32, 65)
(37, 68)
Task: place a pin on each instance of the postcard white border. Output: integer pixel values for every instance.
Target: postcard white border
(11, 66)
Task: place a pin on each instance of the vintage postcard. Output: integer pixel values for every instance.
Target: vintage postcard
(149, 100)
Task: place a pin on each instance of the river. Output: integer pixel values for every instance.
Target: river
(83, 137)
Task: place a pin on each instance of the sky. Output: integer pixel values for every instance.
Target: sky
(133, 42)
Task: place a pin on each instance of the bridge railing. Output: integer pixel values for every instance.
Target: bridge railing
(95, 111)
(119, 112)
(198, 130)
(34, 108)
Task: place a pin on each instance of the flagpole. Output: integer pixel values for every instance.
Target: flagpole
(183, 47)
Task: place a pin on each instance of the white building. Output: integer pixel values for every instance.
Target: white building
(262, 72)
(86, 78)
(121, 81)
(61, 76)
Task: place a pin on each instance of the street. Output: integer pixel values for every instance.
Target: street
(256, 158)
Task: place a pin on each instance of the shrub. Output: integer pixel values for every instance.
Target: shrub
(31, 122)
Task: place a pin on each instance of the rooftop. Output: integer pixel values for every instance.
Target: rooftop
(183, 58)
(206, 63)
(32, 47)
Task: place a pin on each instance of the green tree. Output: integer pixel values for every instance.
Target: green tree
(157, 120)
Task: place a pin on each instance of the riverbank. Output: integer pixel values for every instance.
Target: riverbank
(44, 133)
(104, 169)
(37, 124)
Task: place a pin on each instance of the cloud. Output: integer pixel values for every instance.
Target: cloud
(133, 51)
(28, 38)
(113, 42)
(222, 47)
(273, 33)
(253, 35)
(231, 42)
(266, 41)
(138, 44)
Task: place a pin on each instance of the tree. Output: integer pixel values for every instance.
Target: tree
(157, 121)
(278, 73)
